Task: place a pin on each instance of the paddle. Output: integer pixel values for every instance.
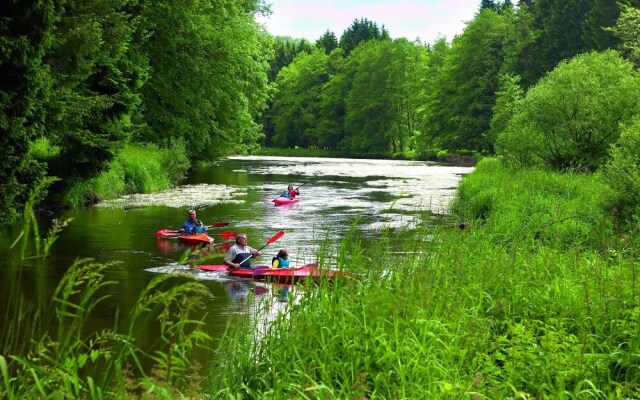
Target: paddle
(226, 234)
(163, 233)
(271, 240)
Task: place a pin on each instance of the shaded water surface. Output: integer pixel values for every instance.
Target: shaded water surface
(382, 193)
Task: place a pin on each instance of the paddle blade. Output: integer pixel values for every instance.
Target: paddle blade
(275, 237)
(164, 233)
(229, 234)
(219, 224)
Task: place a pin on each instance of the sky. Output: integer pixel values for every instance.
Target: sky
(426, 19)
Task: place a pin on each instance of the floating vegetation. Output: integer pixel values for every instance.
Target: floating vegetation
(183, 196)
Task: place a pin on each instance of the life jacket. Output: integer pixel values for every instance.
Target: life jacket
(277, 262)
(198, 229)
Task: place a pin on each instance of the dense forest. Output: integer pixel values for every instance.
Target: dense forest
(110, 95)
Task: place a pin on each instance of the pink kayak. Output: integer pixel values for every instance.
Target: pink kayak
(279, 275)
(281, 201)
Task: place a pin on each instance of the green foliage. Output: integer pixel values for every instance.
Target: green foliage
(368, 115)
(361, 30)
(136, 169)
(466, 94)
(41, 149)
(622, 172)
(296, 103)
(627, 29)
(602, 16)
(508, 102)
(285, 51)
(26, 29)
(572, 116)
(209, 81)
(97, 72)
(328, 41)
(559, 208)
(556, 31)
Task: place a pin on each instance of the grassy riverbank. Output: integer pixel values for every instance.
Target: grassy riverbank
(537, 297)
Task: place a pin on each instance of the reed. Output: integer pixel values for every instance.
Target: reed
(136, 169)
(48, 352)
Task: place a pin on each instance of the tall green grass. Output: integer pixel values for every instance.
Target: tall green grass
(47, 351)
(136, 169)
(536, 298)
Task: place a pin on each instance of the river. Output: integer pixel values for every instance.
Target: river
(238, 190)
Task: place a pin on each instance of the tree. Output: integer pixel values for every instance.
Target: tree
(508, 102)
(26, 29)
(622, 172)
(328, 41)
(557, 35)
(597, 33)
(435, 87)
(369, 110)
(466, 96)
(361, 30)
(98, 72)
(296, 104)
(571, 117)
(209, 81)
(627, 30)
(333, 102)
(488, 4)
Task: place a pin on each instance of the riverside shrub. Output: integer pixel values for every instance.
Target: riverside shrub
(622, 172)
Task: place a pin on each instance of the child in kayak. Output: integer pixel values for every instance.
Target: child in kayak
(281, 260)
(291, 193)
(190, 226)
(199, 228)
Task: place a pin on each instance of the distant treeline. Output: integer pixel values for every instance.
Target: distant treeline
(87, 87)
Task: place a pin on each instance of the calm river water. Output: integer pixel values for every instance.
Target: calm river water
(237, 190)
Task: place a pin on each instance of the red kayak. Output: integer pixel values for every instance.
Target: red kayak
(198, 238)
(281, 201)
(279, 275)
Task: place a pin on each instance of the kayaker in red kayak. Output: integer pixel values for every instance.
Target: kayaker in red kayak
(239, 255)
(281, 260)
(190, 226)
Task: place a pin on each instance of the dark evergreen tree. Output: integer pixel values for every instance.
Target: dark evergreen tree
(557, 29)
(361, 30)
(490, 4)
(328, 41)
(303, 46)
(25, 36)
(98, 71)
(597, 33)
(506, 4)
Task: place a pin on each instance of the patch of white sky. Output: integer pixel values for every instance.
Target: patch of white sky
(412, 19)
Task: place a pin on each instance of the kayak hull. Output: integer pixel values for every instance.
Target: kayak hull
(279, 275)
(198, 238)
(281, 201)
